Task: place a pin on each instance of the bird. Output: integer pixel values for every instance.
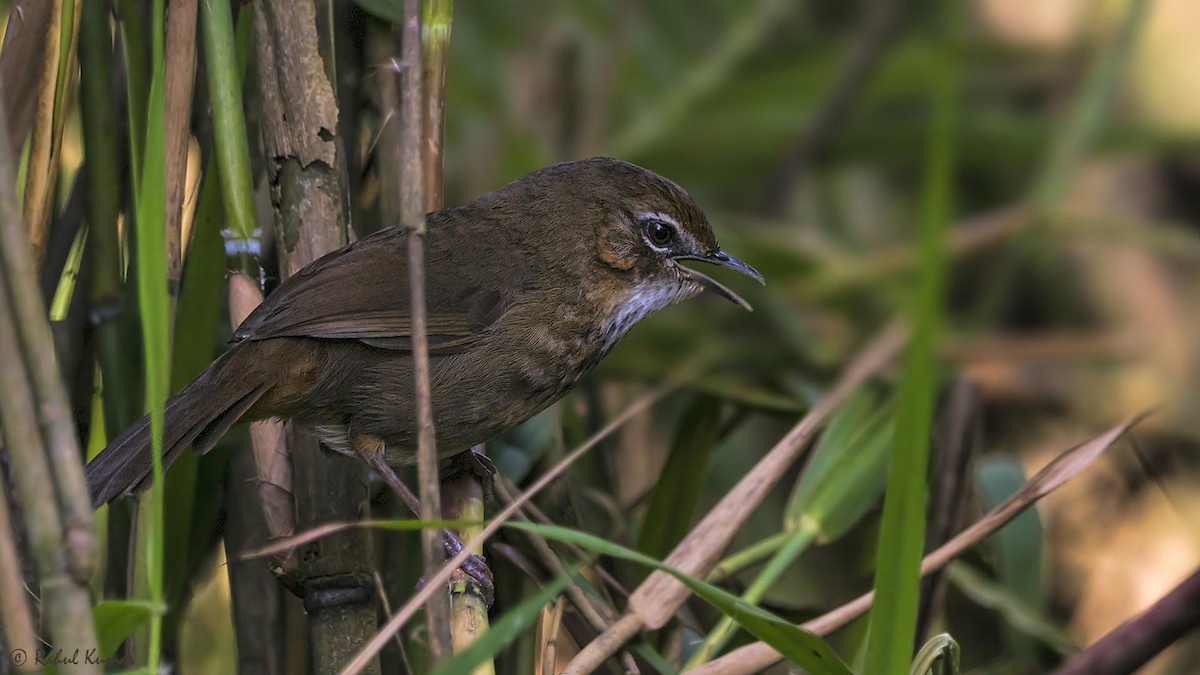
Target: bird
(528, 287)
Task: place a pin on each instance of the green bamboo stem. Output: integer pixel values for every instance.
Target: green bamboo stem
(112, 314)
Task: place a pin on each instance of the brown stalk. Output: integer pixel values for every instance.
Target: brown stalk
(412, 216)
(28, 23)
(298, 123)
(40, 437)
(1130, 645)
(42, 170)
(660, 595)
(19, 632)
(754, 658)
(180, 76)
(436, 581)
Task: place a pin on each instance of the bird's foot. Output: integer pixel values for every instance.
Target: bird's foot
(476, 464)
(475, 566)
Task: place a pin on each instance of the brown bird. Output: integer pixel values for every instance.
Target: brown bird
(528, 287)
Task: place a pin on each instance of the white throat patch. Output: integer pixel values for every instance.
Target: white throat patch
(645, 299)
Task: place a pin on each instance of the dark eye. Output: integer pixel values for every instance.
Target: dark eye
(660, 233)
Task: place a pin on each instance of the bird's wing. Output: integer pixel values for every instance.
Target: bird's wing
(361, 292)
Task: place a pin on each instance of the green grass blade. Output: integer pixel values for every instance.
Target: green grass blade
(939, 656)
(150, 205)
(1016, 612)
(115, 620)
(797, 542)
(798, 646)
(232, 151)
(846, 474)
(197, 318)
(1089, 111)
(902, 538)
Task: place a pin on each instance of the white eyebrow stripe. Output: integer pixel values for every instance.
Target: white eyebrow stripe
(659, 216)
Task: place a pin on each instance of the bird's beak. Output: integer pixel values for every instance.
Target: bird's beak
(724, 260)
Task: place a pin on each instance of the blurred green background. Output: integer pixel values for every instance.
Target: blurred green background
(803, 128)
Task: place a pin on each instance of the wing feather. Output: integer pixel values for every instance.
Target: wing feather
(361, 292)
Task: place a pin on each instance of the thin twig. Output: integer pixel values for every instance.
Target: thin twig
(412, 216)
(434, 581)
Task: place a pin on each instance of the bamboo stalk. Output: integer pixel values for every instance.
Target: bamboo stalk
(299, 110)
(19, 632)
(33, 393)
(116, 334)
(54, 408)
(412, 216)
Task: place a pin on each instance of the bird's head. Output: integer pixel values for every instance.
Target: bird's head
(647, 226)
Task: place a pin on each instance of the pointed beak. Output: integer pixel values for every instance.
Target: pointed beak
(724, 260)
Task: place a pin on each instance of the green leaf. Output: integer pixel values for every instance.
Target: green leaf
(845, 476)
(939, 656)
(796, 645)
(1017, 614)
(675, 497)
(902, 537)
(502, 632)
(1017, 547)
(115, 620)
(150, 208)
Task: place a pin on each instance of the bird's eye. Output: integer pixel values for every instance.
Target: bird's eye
(660, 233)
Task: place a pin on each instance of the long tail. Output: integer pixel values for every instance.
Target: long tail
(197, 416)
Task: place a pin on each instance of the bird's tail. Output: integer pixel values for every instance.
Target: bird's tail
(197, 416)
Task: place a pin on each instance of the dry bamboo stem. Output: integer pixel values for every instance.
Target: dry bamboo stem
(33, 393)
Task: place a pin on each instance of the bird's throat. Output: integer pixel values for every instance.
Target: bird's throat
(644, 299)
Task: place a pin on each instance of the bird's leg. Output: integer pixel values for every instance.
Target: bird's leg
(475, 565)
(477, 464)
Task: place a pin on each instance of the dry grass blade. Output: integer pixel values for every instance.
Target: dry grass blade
(28, 23)
(755, 657)
(180, 77)
(42, 172)
(433, 582)
(660, 595)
